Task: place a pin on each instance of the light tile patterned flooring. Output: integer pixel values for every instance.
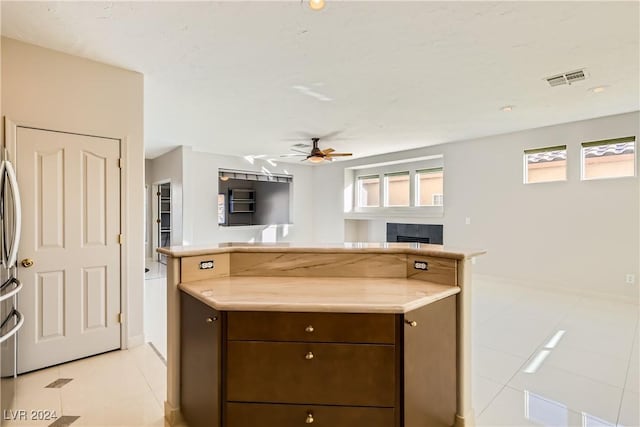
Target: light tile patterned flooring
(589, 377)
(120, 388)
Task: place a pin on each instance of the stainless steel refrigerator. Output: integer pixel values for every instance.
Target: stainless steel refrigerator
(11, 319)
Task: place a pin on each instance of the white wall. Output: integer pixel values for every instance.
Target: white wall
(199, 182)
(573, 234)
(48, 89)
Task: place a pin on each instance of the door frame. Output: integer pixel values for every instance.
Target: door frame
(10, 131)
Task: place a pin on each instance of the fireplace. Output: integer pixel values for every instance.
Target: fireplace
(416, 233)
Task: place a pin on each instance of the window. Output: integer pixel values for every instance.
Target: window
(396, 189)
(610, 158)
(545, 164)
(430, 187)
(405, 187)
(368, 191)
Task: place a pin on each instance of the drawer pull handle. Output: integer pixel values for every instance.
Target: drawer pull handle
(309, 356)
(309, 419)
(411, 323)
(211, 319)
(309, 328)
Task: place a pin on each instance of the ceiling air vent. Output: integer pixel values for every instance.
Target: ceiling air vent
(566, 78)
(575, 76)
(557, 80)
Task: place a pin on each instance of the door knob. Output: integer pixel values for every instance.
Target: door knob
(27, 262)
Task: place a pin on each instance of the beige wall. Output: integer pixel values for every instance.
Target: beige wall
(52, 90)
(547, 171)
(609, 166)
(371, 193)
(398, 191)
(429, 185)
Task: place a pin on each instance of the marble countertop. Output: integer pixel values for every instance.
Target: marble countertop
(317, 294)
(408, 248)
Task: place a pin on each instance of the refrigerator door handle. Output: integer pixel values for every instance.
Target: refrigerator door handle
(3, 175)
(12, 292)
(17, 217)
(16, 327)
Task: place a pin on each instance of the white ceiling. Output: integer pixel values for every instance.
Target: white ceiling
(242, 78)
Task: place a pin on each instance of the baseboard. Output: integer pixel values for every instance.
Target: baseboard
(135, 341)
(559, 288)
(466, 421)
(172, 415)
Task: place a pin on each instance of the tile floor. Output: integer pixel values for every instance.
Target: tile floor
(545, 358)
(540, 359)
(155, 303)
(119, 388)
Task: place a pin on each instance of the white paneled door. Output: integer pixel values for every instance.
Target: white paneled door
(69, 259)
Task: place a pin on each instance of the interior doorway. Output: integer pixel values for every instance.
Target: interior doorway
(163, 218)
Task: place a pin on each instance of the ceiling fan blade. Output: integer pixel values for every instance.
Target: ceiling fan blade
(292, 155)
(306, 153)
(306, 136)
(339, 154)
(330, 135)
(328, 151)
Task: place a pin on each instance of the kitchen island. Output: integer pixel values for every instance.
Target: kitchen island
(351, 335)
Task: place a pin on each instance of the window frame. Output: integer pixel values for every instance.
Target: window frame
(385, 191)
(355, 211)
(604, 142)
(416, 186)
(525, 163)
(359, 189)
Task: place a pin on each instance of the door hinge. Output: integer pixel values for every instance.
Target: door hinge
(120, 317)
(120, 239)
(120, 162)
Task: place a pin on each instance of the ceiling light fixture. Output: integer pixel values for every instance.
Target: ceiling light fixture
(507, 108)
(316, 4)
(316, 159)
(598, 89)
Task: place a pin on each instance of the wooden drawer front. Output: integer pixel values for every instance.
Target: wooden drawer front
(311, 327)
(255, 414)
(338, 374)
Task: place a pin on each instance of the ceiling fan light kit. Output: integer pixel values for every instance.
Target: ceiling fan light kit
(316, 4)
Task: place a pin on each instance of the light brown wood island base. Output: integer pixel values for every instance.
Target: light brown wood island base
(353, 335)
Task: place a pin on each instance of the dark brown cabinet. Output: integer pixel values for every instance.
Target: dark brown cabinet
(282, 369)
(200, 363)
(311, 373)
(253, 414)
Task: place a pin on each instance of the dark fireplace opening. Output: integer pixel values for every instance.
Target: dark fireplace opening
(415, 233)
(412, 239)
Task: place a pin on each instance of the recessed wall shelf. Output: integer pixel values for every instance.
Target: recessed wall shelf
(242, 200)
